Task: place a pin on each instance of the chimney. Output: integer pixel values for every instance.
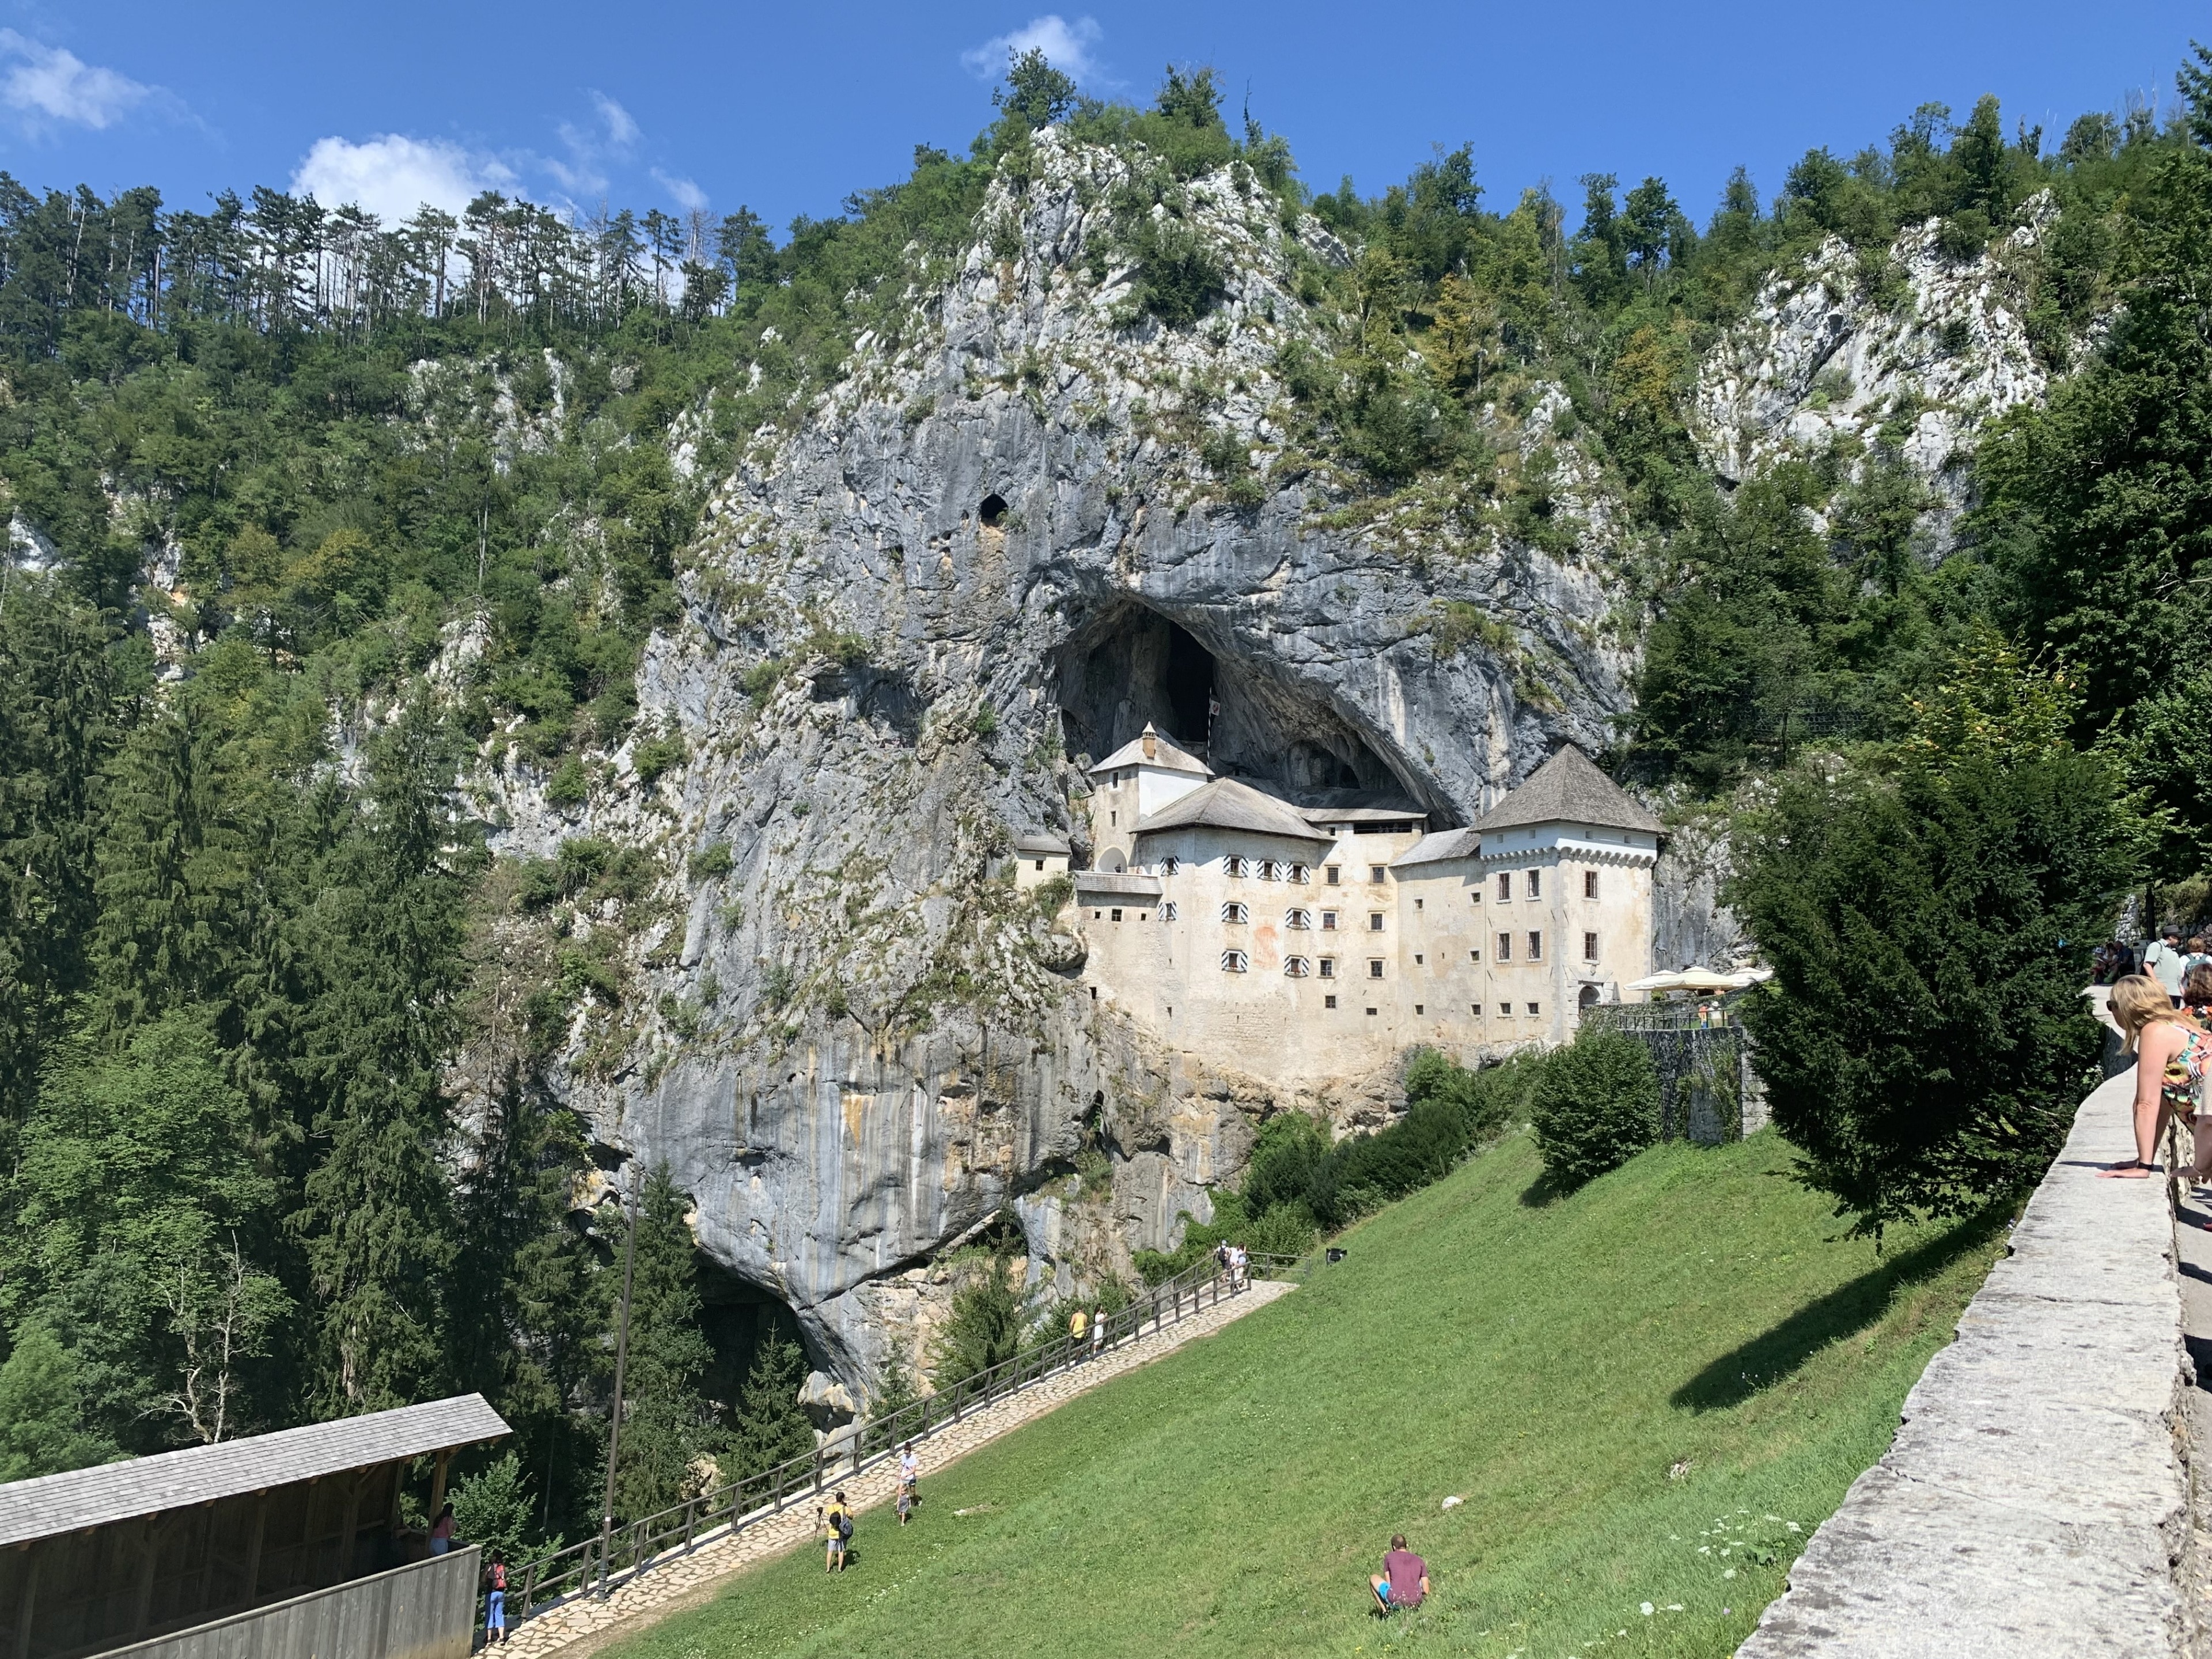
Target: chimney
(1151, 742)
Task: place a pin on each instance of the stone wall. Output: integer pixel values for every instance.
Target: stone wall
(2036, 1499)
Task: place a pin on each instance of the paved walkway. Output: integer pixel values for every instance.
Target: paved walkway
(586, 1624)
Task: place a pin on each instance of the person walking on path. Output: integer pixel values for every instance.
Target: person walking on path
(2166, 962)
(1404, 1580)
(910, 1475)
(1097, 1334)
(495, 1603)
(2170, 1052)
(1077, 1323)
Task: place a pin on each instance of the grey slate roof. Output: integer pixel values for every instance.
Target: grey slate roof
(1117, 883)
(1569, 789)
(56, 1504)
(1442, 844)
(1043, 844)
(1164, 756)
(1226, 803)
(1362, 814)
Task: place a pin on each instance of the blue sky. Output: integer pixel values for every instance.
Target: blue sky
(786, 107)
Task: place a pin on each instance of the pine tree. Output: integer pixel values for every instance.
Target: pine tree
(666, 1421)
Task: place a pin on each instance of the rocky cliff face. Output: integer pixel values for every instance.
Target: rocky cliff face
(991, 544)
(1028, 520)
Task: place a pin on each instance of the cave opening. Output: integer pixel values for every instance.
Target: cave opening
(739, 1321)
(1131, 666)
(992, 513)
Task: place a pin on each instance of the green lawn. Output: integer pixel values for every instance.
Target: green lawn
(1650, 1391)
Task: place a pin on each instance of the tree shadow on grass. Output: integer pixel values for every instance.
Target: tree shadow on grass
(1848, 1308)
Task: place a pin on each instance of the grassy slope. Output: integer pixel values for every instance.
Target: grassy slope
(1549, 1363)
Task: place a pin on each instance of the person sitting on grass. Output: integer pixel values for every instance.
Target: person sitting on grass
(1404, 1580)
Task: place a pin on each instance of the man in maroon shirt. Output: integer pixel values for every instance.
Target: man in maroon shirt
(1404, 1580)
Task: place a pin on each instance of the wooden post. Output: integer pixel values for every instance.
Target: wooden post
(151, 1539)
(438, 1484)
(30, 1599)
(351, 1530)
(254, 1549)
(529, 1588)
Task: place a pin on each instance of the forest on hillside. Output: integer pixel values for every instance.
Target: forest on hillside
(264, 465)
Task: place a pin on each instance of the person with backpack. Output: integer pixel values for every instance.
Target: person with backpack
(495, 1603)
(839, 1520)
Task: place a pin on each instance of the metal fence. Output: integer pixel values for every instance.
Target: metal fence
(637, 1547)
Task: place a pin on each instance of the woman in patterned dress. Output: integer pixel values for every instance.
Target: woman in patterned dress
(2171, 1050)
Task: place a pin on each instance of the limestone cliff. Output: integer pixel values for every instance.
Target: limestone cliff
(992, 543)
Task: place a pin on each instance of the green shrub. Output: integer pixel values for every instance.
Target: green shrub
(713, 862)
(1285, 1229)
(1595, 1106)
(1050, 896)
(984, 725)
(653, 759)
(570, 786)
(989, 1319)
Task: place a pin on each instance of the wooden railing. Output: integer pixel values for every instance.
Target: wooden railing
(637, 1546)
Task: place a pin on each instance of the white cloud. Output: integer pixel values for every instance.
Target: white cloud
(612, 137)
(392, 175)
(687, 195)
(1066, 46)
(621, 130)
(45, 85)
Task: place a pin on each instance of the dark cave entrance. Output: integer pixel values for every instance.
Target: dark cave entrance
(738, 1320)
(1131, 665)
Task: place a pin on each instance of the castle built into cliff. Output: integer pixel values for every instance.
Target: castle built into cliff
(1308, 940)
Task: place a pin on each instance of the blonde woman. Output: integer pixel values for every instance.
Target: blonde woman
(2171, 1051)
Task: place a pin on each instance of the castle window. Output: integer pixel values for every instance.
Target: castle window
(1232, 961)
(1535, 946)
(1418, 958)
(1371, 1013)
(1039, 864)
(1375, 968)
(1233, 865)
(1419, 1009)
(1375, 872)
(1298, 919)
(1329, 921)
(1505, 1010)
(1328, 967)
(1232, 911)
(1113, 818)
(1474, 956)
(1375, 921)
(1589, 883)
(1141, 916)
(1295, 967)
(1329, 1001)
(1334, 872)
(1169, 865)
(1417, 904)
(1168, 911)
(1117, 915)
(1098, 916)
(1535, 884)
(1300, 874)
(1267, 869)
(1504, 886)
(1590, 947)
(1532, 1011)
(1506, 947)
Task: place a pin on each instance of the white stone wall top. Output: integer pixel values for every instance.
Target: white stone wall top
(2033, 1503)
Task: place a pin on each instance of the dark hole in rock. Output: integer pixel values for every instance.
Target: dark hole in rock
(739, 1320)
(1129, 665)
(993, 511)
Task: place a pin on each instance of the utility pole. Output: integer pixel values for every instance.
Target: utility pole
(614, 1426)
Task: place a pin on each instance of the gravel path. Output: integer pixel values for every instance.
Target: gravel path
(586, 1624)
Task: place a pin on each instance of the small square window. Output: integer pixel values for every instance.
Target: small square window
(1589, 883)
(1532, 1011)
(1535, 884)
(1168, 911)
(1417, 904)
(1505, 1008)
(1232, 911)
(1300, 874)
(1475, 1008)
(1143, 916)
(1590, 947)
(1335, 873)
(1419, 958)
(1474, 956)
(1329, 921)
(1419, 1009)
(1039, 864)
(1169, 866)
(1371, 1013)
(1374, 969)
(1535, 946)
(1117, 915)
(1232, 961)
(1506, 947)
(1233, 865)
(1329, 1001)
(1098, 916)
(1504, 884)
(1375, 872)
(1375, 921)
(1298, 919)
(1328, 970)
(1295, 967)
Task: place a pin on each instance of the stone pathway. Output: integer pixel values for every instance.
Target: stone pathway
(586, 1624)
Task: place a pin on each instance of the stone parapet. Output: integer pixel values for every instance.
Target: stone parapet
(2035, 1500)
